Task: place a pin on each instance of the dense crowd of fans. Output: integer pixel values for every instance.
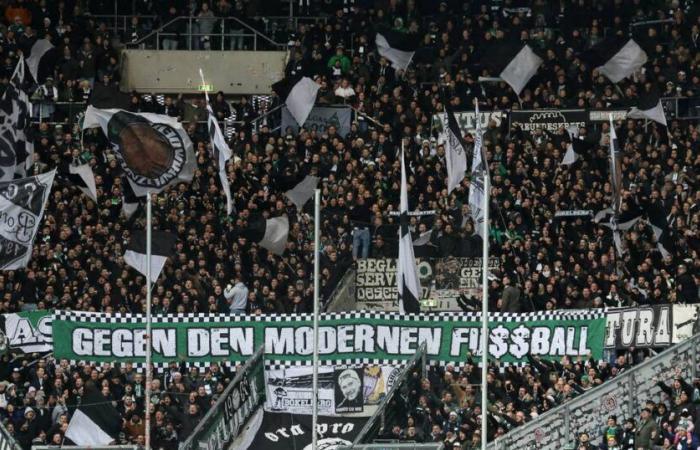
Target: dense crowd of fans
(445, 406)
(549, 264)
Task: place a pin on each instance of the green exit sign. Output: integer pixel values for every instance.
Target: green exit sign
(205, 88)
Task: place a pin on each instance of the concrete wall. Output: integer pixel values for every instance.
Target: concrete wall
(177, 71)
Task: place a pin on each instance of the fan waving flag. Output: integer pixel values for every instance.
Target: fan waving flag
(616, 57)
(649, 107)
(219, 149)
(476, 188)
(397, 47)
(299, 94)
(95, 421)
(455, 154)
(162, 247)
(153, 149)
(516, 63)
(271, 234)
(22, 204)
(407, 280)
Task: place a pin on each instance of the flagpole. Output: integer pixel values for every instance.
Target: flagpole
(149, 345)
(317, 254)
(485, 309)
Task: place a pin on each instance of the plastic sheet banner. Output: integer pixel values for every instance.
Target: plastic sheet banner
(320, 119)
(449, 284)
(344, 338)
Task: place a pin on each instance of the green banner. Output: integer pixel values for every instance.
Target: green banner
(363, 337)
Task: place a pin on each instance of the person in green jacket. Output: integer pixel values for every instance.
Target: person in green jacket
(646, 432)
(340, 57)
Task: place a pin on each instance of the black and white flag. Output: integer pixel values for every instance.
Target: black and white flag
(455, 153)
(476, 186)
(616, 57)
(271, 234)
(80, 176)
(153, 149)
(615, 169)
(95, 421)
(221, 153)
(302, 192)
(130, 202)
(299, 94)
(22, 204)
(397, 47)
(35, 63)
(407, 273)
(162, 247)
(661, 228)
(576, 149)
(16, 151)
(649, 107)
(514, 62)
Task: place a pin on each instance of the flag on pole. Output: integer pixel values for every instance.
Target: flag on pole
(271, 234)
(81, 176)
(95, 421)
(616, 57)
(455, 153)
(397, 47)
(407, 279)
(615, 169)
(162, 247)
(16, 150)
(476, 187)
(35, 60)
(661, 228)
(130, 202)
(575, 150)
(22, 204)
(514, 62)
(219, 149)
(302, 192)
(299, 94)
(648, 106)
(153, 149)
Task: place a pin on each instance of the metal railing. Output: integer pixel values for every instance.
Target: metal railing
(623, 396)
(121, 23)
(206, 33)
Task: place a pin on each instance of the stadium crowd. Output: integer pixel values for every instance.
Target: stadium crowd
(547, 264)
(445, 406)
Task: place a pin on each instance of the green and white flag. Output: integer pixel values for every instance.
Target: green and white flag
(28, 331)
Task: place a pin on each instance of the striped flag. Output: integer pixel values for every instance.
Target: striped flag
(615, 169)
(616, 57)
(455, 154)
(407, 272)
(95, 421)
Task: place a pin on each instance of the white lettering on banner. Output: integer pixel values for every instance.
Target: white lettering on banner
(645, 334)
(612, 323)
(540, 341)
(279, 341)
(219, 341)
(663, 334)
(629, 318)
(122, 342)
